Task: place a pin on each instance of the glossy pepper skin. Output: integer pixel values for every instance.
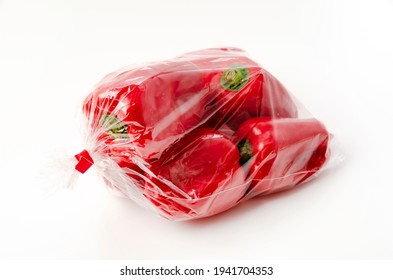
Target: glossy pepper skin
(197, 176)
(150, 106)
(242, 89)
(281, 153)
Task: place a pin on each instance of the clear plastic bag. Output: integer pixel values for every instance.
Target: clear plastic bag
(194, 136)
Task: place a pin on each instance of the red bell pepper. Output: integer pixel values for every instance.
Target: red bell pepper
(281, 153)
(149, 106)
(242, 89)
(197, 176)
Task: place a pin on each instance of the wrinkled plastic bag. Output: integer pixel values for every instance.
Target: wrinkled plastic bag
(193, 136)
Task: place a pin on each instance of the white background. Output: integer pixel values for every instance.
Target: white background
(335, 56)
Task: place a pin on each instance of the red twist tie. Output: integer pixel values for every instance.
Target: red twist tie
(84, 161)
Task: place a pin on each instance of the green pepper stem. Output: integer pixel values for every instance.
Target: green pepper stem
(115, 127)
(245, 151)
(235, 77)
